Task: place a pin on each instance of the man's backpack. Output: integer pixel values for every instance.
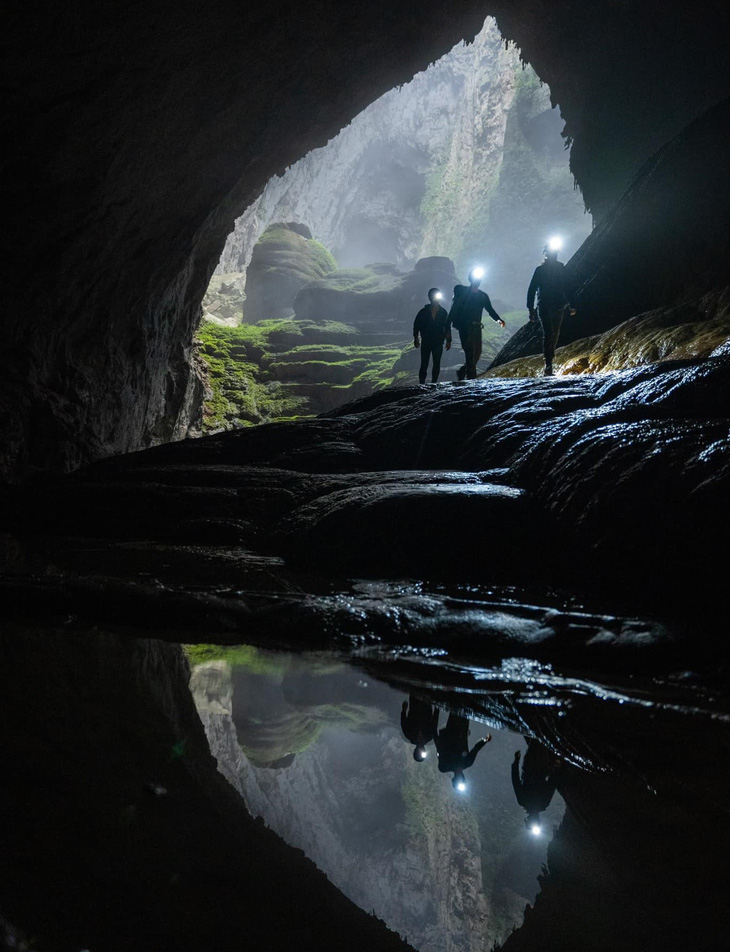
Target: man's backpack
(457, 306)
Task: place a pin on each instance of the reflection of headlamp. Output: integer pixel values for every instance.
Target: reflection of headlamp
(461, 786)
(438, 296)
(477, 273)
(555, 243)
(424, 755)
(536, 829)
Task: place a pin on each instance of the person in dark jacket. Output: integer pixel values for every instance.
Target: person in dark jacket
(535, 788)
(553, 292)
(432, 327)
(466, 316)
(419, 723)
(452, 744)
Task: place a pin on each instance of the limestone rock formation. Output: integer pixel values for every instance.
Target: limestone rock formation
(271, 370)
(696, 329)
(466, 160)
(284, 259)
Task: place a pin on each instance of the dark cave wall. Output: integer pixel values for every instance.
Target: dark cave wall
(139, 132)
(628, 75)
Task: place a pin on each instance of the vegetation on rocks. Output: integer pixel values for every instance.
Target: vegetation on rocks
(287, 369)
(684, 331)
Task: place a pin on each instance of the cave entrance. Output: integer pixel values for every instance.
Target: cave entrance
(312, 300)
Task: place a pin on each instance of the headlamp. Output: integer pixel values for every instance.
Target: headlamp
(555, 243)
(477, 273)
(535, 829)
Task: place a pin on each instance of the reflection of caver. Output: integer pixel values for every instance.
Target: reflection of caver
(535, 788)
(418, 721)
(452, 744)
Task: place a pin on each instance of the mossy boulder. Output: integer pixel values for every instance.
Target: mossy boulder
(284, 259)
(377, 296)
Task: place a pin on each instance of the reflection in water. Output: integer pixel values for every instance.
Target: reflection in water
(319, 753)
(452, 744)
(535, 788)
(419, 723)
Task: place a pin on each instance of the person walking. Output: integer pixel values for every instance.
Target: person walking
(551, 286)
(430, 332)
(466, 316)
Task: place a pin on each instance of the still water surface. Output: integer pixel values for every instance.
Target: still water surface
(604, 824)
(447, 857)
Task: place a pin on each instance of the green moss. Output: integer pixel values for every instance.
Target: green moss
(241, 390)
(379, 277)
(239, 656)
(286, 370)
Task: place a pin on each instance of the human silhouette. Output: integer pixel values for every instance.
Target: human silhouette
(418, 721)
(535, 788)
(431, 325)
(551, 286)
(452, 744)
(466, 316)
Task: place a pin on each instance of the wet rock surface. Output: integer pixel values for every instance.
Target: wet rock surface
(694, 329)
(613, 486)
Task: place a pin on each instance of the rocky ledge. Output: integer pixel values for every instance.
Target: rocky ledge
(533, 515)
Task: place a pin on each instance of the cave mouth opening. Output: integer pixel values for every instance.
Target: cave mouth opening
(465, 164)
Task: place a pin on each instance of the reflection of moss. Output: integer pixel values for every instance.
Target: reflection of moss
(421, 802)
(239, 656)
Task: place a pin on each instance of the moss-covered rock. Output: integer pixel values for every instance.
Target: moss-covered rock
(284, 259)
(280, 370)
(671, 333)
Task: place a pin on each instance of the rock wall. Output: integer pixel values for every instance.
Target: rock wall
(465, 161)
(666, 242)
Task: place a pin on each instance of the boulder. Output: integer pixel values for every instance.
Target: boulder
(284, 259)
(377, 297)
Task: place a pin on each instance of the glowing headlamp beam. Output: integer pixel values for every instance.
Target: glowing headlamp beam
(461, 787)
(438, 295)
(555, 243)
(477, 273)
(535, 829)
